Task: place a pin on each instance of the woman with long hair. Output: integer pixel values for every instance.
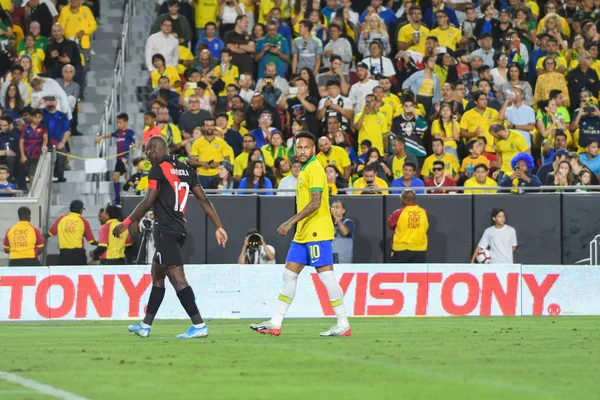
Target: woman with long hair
(320, 25)
(37, 55)
(373, 157)
(275, 147)
(549, 123)
(258, 32)
(447, 128)
(549, 81)
(499, 74)
(590, 33)
(445, 68)
(585, 179)
(342, 17)
(224, 181)
(257, 154)
(515, 77)
(375, 29)
(551, 9)
(425, 84)
(561, 176)
(578, 167)
(12, 99)
(28, 74)
(283, 168)
(309, 76)
(553, 26)
(525, 26)
(256, 178)
(335, 179)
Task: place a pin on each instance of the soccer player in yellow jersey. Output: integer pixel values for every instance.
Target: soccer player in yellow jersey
(312, 244)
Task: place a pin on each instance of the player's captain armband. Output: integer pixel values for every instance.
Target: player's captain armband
(127, 222)
(152, 184)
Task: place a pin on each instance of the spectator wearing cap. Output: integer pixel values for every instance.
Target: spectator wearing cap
(408, 179)
(79, 22)
(272, 48)
(289, 182)
(59, 131)
(362, 88)
(16, 73)
(23, 241)
(486, 51)
(163, 43)
(412, 36)
(207, 152)
(480, 179)
(224, 181)
(60, 52)
(522, 175)
(439, 180)
(558, 156)
(180, 27)
(48, 87)
(343, 240)
(71, 230)
(241, 45)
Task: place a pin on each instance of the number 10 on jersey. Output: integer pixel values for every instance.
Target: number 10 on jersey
(182, 191)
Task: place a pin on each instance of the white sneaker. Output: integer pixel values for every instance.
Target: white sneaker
(337, 331)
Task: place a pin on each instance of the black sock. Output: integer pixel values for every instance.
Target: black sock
(156, 297)
(188, 301)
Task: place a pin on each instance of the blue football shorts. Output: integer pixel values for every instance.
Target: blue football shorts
(313, 254)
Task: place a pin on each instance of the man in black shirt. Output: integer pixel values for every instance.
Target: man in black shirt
(301, 106)
(242, 46)
(169, 185)
(582, 78)
(257, 106)
(34, 11)
(60, 52)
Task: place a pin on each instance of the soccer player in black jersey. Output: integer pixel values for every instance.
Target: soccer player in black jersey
(169, 185)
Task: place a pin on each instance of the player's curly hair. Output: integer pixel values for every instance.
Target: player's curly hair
(523, 157)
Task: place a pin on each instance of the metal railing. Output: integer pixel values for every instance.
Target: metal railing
(115, 99)
(593, 259)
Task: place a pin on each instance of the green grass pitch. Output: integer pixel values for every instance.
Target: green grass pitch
(386, 358)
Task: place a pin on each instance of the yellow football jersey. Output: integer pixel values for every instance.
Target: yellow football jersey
(318, 226)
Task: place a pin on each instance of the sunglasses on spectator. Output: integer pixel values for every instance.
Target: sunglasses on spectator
(248, 141)
(265, 117)
(438, 169)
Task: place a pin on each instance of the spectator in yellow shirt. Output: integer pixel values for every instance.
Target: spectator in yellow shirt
(208, 152)
(334, 155)
(369, 181)
(410, 225)
(226, 72)
(412, 36)
(473, 159)
(79, 23)
(205, 11)
(508, 144)
(480, 179)
(451, 167)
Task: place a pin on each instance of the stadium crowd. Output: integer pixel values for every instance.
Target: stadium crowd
(44, 53)
(403, 94)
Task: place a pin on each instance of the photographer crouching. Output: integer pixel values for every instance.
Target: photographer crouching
(256, 250)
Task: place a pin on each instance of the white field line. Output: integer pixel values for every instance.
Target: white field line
(39, 387)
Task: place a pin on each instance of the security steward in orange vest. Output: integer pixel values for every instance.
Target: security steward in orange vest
(71, 230)
(23, 241)
(410, 224)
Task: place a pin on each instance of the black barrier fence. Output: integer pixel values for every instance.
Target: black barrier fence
(552, 228)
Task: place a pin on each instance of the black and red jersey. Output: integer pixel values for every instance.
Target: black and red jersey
(174, 182)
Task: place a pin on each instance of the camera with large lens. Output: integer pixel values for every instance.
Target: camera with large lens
(254, 241)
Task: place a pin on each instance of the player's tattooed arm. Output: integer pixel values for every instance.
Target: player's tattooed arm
(142, 208)
(209, 209)
(315, 202)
